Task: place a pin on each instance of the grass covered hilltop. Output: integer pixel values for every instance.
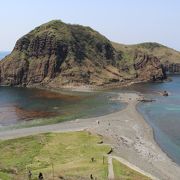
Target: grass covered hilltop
(58, 55)
(62, 155)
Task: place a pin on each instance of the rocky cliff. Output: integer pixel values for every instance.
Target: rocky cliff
(56, 54)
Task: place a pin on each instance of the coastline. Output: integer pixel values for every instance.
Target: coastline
(133, 139)
(126, 131)
(156, 139)
(85, 88)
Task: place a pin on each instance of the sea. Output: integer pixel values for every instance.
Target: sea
(21, 106)
(3, 54)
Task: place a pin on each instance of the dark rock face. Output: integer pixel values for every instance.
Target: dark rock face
(58, 54)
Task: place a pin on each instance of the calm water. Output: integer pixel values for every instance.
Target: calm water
(19, 105)
(163, 114)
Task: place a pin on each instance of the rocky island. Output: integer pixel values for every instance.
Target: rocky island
(58, 55)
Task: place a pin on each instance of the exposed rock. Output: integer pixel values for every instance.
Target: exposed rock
(56, 54)
(169, 58)
(148, 67)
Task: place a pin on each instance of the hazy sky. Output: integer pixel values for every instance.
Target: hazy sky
(124, 21)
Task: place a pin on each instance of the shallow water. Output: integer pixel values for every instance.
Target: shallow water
(20, 104)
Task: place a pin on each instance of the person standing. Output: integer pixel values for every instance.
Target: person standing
(40, 177)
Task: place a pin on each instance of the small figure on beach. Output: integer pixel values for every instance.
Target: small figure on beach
(40, 177)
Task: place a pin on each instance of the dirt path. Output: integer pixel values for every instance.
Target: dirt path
(69, 126)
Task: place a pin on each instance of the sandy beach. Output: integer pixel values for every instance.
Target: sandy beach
(126, 131)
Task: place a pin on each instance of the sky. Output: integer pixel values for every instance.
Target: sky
(123, 21)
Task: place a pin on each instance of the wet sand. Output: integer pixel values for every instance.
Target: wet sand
(127, 132)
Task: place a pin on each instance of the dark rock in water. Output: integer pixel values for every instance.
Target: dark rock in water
(56, 54)
(165, 93)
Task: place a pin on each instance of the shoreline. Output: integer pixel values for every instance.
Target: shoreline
(140, 147)
(86, 88)
(126, 131)
(153, 133)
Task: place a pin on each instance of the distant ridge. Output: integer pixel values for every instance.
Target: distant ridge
(162, 52)
(3, 54)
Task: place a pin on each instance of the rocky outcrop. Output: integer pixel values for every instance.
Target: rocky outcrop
(57, 54)
(169, 58)
(148, 67)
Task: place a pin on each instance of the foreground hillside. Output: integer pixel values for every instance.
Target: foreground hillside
(66, 156)
(56, 54)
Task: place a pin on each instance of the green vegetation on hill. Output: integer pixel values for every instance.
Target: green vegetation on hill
(57, 55)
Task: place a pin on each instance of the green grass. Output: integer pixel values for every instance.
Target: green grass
(125, 173)
(5, 176)
(69, 153)
(65, 155)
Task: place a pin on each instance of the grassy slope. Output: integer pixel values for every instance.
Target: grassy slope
(162, 52)
(123, 172)
(70, 154)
